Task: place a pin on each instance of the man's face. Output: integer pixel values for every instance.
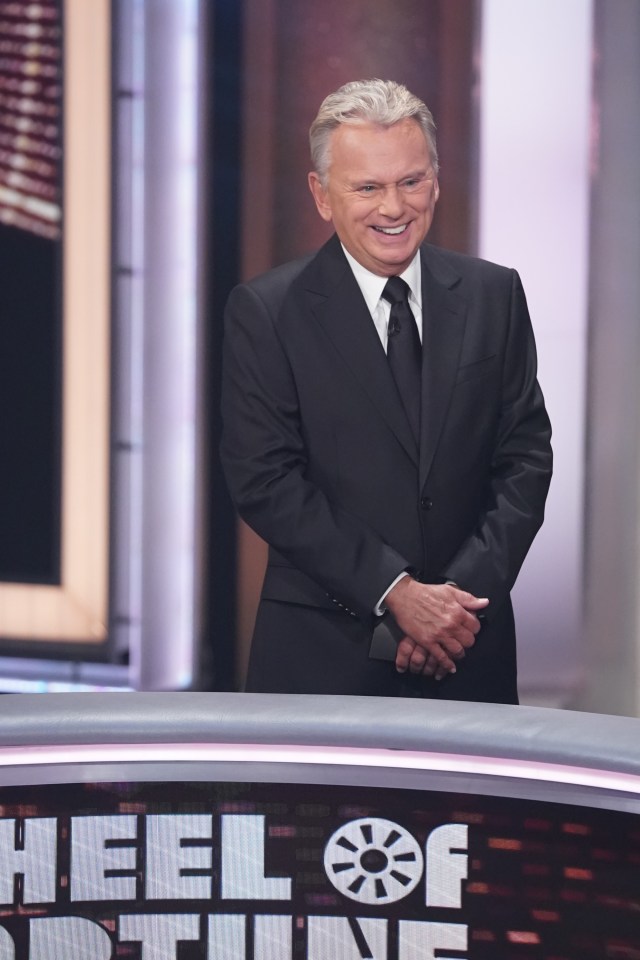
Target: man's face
(381, 193)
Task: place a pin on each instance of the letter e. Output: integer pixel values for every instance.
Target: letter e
(91, 858)
(169, 856)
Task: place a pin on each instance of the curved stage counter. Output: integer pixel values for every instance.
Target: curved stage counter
(258, 827)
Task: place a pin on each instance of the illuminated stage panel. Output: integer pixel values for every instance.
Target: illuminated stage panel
(364, 865)
(325, 828)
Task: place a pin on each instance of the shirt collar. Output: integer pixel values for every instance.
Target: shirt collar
(372, 285)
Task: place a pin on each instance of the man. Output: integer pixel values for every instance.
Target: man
(390, 443)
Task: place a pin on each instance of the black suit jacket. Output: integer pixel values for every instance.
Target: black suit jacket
(321, 462)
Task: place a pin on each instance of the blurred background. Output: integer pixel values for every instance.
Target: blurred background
(153, 153)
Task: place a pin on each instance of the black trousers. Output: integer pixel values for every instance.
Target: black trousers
(303, 649)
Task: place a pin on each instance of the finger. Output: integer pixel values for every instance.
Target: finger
(456, 638)
(466, 623)
(452, 621)
(442, 659)
(417, 660)
(440, 672)
(409, 656)
(431, 667)
(441, 647)
(469, 601)
(452, 647)
(403, 653)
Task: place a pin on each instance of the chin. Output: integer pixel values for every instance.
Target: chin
(397, 259)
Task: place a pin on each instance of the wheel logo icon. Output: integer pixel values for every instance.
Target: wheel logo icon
(373, 861)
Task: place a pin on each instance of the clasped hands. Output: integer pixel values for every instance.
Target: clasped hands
(439, 622)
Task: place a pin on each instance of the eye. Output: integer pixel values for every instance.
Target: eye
(367, 188)
(411, 183)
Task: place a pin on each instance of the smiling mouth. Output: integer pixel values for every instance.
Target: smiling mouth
(392, 231)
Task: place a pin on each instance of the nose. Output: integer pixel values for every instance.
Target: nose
(391, 204)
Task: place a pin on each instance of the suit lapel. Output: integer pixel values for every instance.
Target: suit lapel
(443, 323)
(341, 310)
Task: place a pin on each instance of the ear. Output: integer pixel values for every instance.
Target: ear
(320, 196)
(436, 189)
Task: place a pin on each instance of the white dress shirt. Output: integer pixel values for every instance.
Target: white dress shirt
(372, 286)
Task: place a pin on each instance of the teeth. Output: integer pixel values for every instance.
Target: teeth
(392, 231)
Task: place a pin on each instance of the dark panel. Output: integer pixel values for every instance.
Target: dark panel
(30, 297)
(30, 407)
(221, 273)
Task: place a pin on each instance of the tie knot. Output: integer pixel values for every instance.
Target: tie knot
(396, 290)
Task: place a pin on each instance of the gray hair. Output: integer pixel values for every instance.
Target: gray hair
(367, 101)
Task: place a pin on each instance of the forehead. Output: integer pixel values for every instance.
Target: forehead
(372, 151)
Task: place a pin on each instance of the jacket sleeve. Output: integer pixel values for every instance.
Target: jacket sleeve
(488, 561)
(265, 462)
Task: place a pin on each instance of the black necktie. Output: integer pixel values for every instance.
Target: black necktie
(404, 350)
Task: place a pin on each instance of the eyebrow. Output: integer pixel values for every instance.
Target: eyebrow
(413, 175)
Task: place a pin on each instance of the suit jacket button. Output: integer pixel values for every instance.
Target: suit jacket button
(426, 503)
